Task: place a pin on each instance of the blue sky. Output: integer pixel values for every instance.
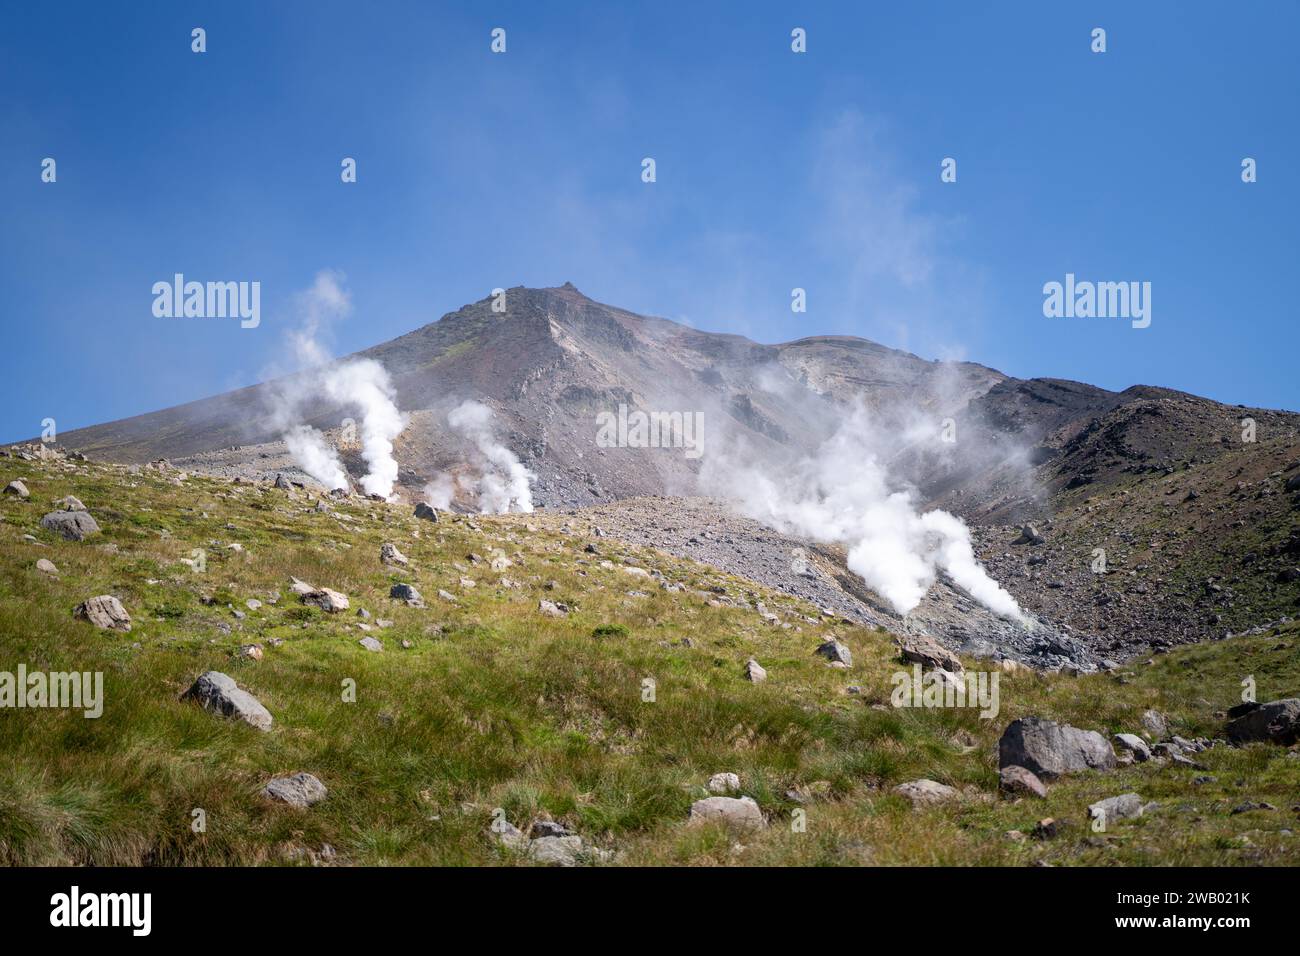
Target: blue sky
(774, 171)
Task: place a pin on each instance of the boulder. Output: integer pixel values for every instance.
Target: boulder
(105, 612)
(724, 783)
(300, 790)
(1049, 749)
(1029, 535)
(836, 653)
(506, 833)
(556, 850)
(17, 489)
(741, 813)
(331, 602)
(219, 694)
(389, 554)
(407, 593)
(1021, 782)
(754, 672)
(282, 483)
(425, 512)
(371, 644)
(1123, 807)
(72, 525)
(551, 609)
(929, 653)
(1277, 721)
(70, 503)
(46, 566)
(1155, 723)
(1135, 745)
(924, 793)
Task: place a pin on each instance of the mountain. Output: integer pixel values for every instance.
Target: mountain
(1198, 525)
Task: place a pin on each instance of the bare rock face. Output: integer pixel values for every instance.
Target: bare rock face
(300, 790)
(218, 693)
(105, 612)
(1277, 721)
(72, 525)
(925, 793)
(1049, 749)
(929, 653)
(741, 813)
(331, 602)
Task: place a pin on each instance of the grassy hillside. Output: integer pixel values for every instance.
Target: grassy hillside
(495, 704)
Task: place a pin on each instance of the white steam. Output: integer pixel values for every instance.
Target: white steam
(842, 494)
(501, 484)
(359, 384)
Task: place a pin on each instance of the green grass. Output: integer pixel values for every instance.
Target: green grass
(495, 705)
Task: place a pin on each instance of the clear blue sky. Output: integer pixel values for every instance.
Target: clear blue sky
(775, 170)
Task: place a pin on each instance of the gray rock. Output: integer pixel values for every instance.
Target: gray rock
(105, 612)
(17, 489)
(925, 793)
(929, 653)
(46, 566)
(70, 503)
(407, 593)
(371, 644)
(389, 554)
(556, 850)
(1277, 721)
(1018, 780)
(1029, 535)
(1049, 749)
(754, 672)
(426, 513)
(506, 833)
(1135, 745)
(551, 609)
(741, 813)
(72, 525)
(548, 828)
(219, 694)
(724, 783)
(836, 652)
(331, 602)
(1155, 723)
(300, 790)
(1123, 807)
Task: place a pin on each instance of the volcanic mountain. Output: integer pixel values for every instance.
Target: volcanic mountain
(1193, 503)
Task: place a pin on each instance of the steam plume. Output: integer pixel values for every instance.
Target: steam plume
(503, 483)
(362, 384)
(842, 494)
